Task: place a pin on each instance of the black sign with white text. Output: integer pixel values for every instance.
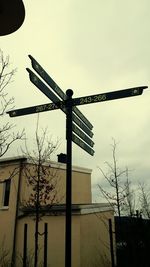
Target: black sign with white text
(46, 77)
(108, 96)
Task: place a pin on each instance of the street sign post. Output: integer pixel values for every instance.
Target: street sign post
(74, 119)
(68, 232)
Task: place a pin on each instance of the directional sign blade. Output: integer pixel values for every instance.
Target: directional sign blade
(32, 110)
(82, 125)
(45, 76)
(82, 135)
(44, 89)
(83, 145)
(109, 96)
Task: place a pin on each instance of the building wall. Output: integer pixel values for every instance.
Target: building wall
(8, 213)
(95, 241)
(81, 181)
(81, 184)
(90, 239)
(56, 239)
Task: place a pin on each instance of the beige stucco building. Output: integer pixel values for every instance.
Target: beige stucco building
(90, 222)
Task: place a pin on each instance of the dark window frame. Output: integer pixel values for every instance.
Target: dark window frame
(6, 197)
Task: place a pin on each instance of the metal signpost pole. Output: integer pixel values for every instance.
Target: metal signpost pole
(69, 94)
(78, 128)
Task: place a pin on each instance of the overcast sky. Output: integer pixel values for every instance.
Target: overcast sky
(92, 47)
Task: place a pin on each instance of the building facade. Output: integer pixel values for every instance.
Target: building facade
(91, 237)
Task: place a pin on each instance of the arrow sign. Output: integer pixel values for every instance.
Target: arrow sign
(83, 145)
(44, 89)
(82, 125)
(83, 136)
(32, 110)
(109, 96)
(45, 76)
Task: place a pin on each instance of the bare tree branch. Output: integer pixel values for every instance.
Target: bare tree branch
(144, 199)
(119, 192)
(6, 76)
(41, 178)
(7, 137)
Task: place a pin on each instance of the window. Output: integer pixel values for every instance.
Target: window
(6, 192)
